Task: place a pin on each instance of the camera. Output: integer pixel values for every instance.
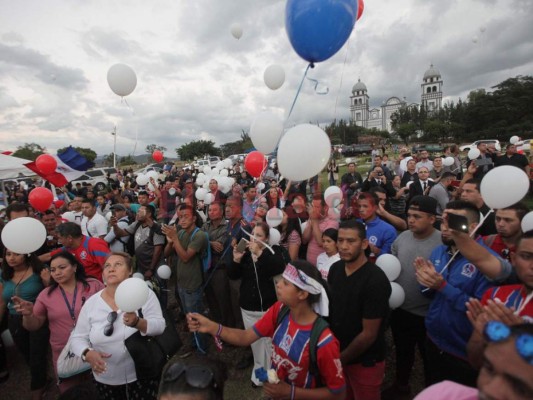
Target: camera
(380, 173)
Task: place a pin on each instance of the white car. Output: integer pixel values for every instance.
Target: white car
(467, 147)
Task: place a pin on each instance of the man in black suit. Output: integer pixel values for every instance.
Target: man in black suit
(422, 185)
(377, 177)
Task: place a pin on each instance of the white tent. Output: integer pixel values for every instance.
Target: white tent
(13, 167)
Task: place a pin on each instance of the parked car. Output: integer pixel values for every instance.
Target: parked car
(430, 147)
(356, 150)
(99, 181)
(152, 167)
(467, 147)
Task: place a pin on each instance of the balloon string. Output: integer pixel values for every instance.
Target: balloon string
(315, 86)
(340, 84)
(299, 88)
(258, 240)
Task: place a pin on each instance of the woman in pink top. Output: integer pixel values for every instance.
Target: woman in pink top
(60, 304)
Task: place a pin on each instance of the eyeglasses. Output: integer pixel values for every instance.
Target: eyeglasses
(196, 376)
(109, 328)
(496, 331)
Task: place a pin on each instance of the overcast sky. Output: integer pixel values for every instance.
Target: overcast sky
(196, 81)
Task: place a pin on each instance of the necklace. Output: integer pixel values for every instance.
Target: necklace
(20, 280)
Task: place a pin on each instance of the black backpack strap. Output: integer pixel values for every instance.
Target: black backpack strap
(319, 326)
(282, 314)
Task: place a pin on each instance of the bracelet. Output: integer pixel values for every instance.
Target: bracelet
(293, 391)
(136, 322)
(219, 331)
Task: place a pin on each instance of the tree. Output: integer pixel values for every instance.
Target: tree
(127, 160)
(108, 159)
(89, 154)
(30, 151)
(153, 147)
(405, 131)
(237, 147)
(198, 149)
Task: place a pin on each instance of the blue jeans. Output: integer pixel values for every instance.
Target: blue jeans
(192, 301)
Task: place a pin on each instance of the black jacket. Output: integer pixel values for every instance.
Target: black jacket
(257, 292)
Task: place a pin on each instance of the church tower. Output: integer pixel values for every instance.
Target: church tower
(432, 89)
(359, 104)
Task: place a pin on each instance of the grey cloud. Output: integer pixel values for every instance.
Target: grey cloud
(102, 44)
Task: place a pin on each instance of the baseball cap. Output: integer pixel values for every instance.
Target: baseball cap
(424, 203)
(117, 207)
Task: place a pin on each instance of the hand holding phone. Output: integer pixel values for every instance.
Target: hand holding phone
(241, 247)
(457, 222)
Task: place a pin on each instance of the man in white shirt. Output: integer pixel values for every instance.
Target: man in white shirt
(424, 161)
(118, 243)
(92, 223)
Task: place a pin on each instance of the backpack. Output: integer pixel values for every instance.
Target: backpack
(205, 255)
(130, 245)
(319, 326)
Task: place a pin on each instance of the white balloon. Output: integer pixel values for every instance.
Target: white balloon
(23, 235)
(200, 175)
(514, 139)
(274, 237)
(172, 191)
(228, 163)
(207, 170)
(274, 217)
(527, 222)
(397, 296)
(473, 153)
(274, 76)
(482, 29)
(498, 146)
(220, 165)
(141, 180)
(151, 187)
(138, 275)
(348, 160)
(403, 163)
(390, 265)
(206, 185)
(164, 272)
(121, 79)
(131, 294)
(332, 193)
(150, 285)
(7, 338)
(209, 198)
(200, 193)
(265, 131)
(236, 30)
(408, 184)
(474, 39)
(303, 152)
(152, 174)
(260, 186)
(108, 215)
(68, 216)
(200, 181)
(503, 186)
(224, 172)
(448, 161)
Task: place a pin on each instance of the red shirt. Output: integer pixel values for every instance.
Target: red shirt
(290, 355)
(91, 253)
(512, 296)
(496, 243)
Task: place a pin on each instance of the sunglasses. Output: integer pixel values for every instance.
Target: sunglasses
(496, 331)
(109, 328)
(196, 376)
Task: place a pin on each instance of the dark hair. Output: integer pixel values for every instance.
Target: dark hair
(264, 226)
(235, 199)
(472, 213)
(475, 182)
(88, 201)
(151, 210)
(520, 208)
(16, 207)
(69, 229)
(310, 270)
(171, 385)
(372, 198)
(331, 233)
(293, 224)
(48, 212)
(31, 259)
(377, 189)
(320, 198)
(525, 235)
(357, 226)
(80, 271)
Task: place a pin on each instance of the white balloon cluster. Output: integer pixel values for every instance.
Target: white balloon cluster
(220, 174)
(144, 179)
(392, 267)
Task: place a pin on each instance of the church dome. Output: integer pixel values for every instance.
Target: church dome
(432, 72)
(359, 86)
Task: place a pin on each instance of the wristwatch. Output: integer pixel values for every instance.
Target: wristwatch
(84, 353)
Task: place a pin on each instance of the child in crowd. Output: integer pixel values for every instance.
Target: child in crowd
(331, 255)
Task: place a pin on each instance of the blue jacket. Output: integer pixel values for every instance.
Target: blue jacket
(447, 325)
(380, 234)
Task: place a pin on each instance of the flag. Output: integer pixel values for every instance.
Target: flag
(70, 165)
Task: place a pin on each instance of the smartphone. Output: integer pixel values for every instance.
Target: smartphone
(243, 244)
(458, 222)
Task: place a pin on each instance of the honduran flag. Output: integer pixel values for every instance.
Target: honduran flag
(70, 165)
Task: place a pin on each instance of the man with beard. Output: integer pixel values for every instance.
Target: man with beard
(452, 276)
(359, 307)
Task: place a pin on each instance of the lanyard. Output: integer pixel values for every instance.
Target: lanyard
(72, 309)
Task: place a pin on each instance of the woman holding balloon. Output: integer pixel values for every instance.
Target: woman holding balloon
(21, 280)
(102, 328)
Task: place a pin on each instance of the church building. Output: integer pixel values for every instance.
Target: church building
(380, 117)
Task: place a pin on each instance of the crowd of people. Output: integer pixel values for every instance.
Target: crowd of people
(303, 293)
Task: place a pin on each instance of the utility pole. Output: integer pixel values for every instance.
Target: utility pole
(114, 133)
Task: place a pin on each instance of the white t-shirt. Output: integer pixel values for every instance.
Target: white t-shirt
(119, 243)
(89, 332)
(94, 227)
(324, 262)
(78, 216)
